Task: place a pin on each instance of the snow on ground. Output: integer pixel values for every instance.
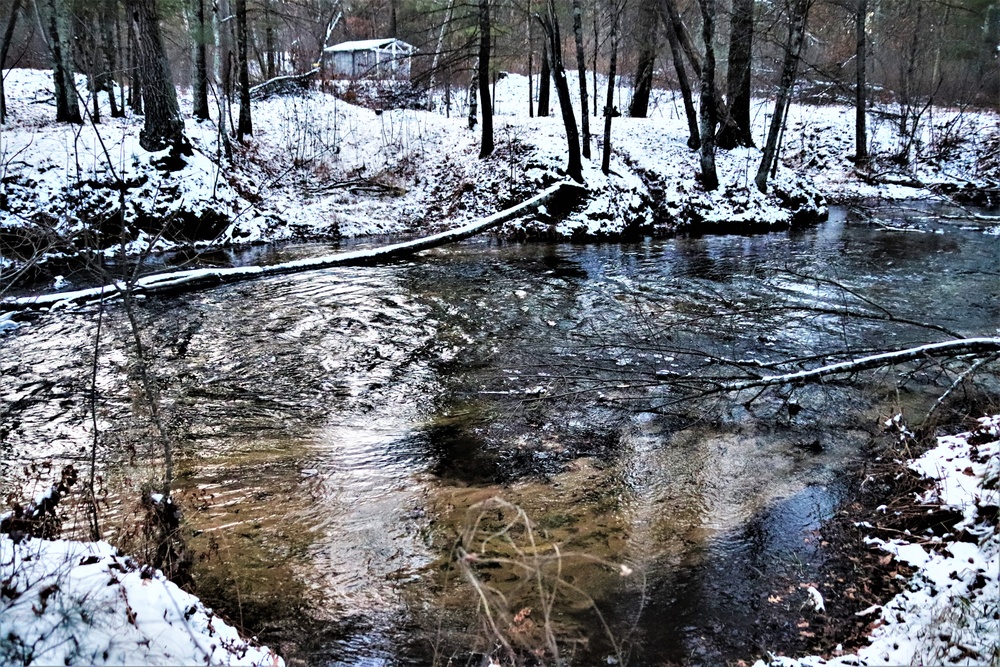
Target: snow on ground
(75, 603)
(318, 168)
(950, 612)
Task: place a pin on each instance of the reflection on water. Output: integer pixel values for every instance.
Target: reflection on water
(338, 430)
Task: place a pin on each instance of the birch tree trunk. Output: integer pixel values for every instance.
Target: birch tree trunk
(581, 66)
(796, 35)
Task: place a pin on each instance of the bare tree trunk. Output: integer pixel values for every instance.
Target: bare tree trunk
(709, 177)
(531, 56)
(110, 46)
(473, 86)
(597, 45)
(440, 44)
(861, 88)
(245, 124)
(609, 107)
(738, 76)
(581, 66)
(796, 35)
(53, 16)
(199, 56)
(8, 35)
(220, 62)
(544, 80)
(550, 23)
(486, 145)
(676, 52)
(725, 139)
(639, 106)
(163, 127)
(269, 61)
(135, 75)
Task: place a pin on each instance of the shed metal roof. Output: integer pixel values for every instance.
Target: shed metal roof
(370, 44)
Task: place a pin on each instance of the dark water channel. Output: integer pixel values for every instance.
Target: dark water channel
(338, 431)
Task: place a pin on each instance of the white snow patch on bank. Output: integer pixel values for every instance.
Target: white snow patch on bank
(81, 603)
(950, 612)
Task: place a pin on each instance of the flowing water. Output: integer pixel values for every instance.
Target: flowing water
(376, 463)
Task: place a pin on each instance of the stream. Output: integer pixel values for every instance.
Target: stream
(376, 463)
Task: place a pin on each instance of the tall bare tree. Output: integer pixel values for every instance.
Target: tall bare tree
(581, 66)
(163, 126)
(8, 35)
(200, 34)
(550, 24)
(648, 19)
(861, 87)
(245, 123)
(609, 106)
(707, 111)
(54, 17)
(483, 75)
(738, 75)
(793, 49)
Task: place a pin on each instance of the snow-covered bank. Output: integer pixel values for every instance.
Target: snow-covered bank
(76, 603)
(950, 612)
(318, 167)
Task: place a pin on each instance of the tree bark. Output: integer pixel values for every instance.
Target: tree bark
(550, 23)
(483, 74)
(531, 64)
(676, 52)
(163, 126)
(199, 56)
(796, 35)
(609, 107)
(861, 88)
(707, 114)
(245, 123)
(110, 46)
(53, 16)
(581, 66)
(221, 61)
(544, 80)
(8, 35)
(725, 138)
(738, 76)
(639, 106)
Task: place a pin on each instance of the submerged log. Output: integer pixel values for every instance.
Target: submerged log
(194, 279)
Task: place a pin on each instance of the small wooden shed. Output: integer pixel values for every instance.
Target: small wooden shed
(369, 59)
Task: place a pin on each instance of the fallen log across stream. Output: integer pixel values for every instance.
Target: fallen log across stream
(194, 279)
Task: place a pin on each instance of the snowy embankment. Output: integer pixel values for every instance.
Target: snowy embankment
(318, 167)
(950, 612)
(74, 603)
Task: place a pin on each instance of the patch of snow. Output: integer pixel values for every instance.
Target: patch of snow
(82, 603)
(950, 612)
